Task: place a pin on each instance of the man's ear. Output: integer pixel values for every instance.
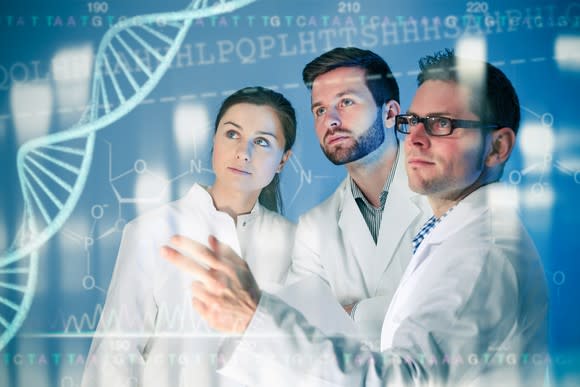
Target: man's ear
(502, 143)
(284, 159)
(390, 110)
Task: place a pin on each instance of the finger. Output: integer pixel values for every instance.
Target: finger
(221, 312)
(229, 256)
(189, 265)
(200, 292)
(239, 325)
(201, 308)
(213, 320)
(200, 252)
(224, 251)
(213, 243)
(204, 303)
(203, 294)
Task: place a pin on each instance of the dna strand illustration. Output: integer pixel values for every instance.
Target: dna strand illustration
(53, 170)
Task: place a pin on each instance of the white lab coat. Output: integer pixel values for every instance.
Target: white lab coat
(334, 243)
(470, 310)
(148, 333)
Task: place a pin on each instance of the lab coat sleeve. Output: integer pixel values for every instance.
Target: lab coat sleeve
(462, 311)
(116, 357)
(369, 314)
(306, 253)
(280, 348)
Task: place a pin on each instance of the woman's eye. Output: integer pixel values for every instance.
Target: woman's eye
(262, 142)
(232, 134)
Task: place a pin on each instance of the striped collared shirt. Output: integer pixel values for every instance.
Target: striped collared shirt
(371, 214)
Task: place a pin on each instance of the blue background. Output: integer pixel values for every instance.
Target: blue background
(145, 158)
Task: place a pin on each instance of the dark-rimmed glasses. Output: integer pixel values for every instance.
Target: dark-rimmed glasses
(436, 125)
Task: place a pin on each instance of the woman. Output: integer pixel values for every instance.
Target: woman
(148, 333)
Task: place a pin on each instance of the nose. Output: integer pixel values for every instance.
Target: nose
(244, 151)
(418, 136)
(332, 119)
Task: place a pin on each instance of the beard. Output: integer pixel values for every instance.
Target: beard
(368, 142)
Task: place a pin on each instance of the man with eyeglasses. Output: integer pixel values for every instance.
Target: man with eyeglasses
(471, 307)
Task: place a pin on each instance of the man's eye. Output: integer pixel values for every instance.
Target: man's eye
(413, 120)
(319, 111)
(262, 142)
(443, 123)
(347, 102)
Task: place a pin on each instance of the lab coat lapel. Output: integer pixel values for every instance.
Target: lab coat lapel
(398, 215)
(355, 231)
(466, 210)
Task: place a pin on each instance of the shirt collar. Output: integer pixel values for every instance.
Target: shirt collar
(198, 194)
(357, 193)
(252, 215)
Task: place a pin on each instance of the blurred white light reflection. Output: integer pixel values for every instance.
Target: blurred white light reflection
(539, 196)
(3, 129)
(471, 56)
(30, 372)
(191, 129)
(31, 106)
(4, 373)
(567, 52)
(471, 47)
(71, 70)
(3, 231)
(504, 194)
(537, 146)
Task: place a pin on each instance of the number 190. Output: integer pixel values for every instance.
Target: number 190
(98, 7)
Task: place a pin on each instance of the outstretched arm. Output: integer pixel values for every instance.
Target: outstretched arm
(443, 328)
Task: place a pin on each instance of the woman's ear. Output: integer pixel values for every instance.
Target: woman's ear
(284, 159)
(502, 143)
(390, 110)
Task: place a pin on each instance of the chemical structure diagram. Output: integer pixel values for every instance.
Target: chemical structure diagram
(197, 170)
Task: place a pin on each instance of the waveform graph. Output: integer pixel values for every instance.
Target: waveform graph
(121, 320)
(53, 169)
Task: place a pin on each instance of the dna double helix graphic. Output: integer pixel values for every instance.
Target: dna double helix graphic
(53, 170)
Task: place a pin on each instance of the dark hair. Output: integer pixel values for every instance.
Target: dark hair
(380, 80)
(493, 97)
(270, 196)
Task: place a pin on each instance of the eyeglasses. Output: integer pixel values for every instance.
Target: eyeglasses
(436, 125)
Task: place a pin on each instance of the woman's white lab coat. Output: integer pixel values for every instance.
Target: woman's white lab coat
(148, 333)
